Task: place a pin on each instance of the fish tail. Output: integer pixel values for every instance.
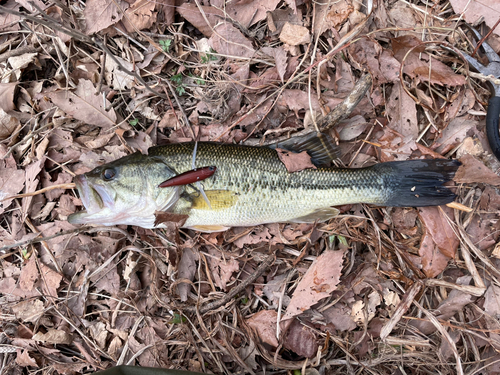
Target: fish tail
(418, 183)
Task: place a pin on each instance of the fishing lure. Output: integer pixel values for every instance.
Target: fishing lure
(189, 177)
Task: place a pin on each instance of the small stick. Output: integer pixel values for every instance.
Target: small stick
(236, 290)
(70, 185)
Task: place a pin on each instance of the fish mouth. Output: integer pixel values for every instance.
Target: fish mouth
(91, 199)
(94, 197)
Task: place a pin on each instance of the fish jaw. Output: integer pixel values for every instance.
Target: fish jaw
(103, 206)
(97, 200)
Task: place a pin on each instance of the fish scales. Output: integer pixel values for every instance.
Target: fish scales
(265, 190)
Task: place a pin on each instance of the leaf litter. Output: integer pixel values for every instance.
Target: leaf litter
(373, 290)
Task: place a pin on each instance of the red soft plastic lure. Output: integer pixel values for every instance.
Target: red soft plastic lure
(189, 177)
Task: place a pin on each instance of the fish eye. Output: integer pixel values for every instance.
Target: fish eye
(108, 174)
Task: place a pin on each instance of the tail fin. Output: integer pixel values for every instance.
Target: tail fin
(418, 183)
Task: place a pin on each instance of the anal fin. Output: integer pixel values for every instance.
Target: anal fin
(322, 214)
(209, 228)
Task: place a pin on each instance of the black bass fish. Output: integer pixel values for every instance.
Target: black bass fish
(251, 186)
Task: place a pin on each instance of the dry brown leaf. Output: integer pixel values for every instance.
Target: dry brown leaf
(433, 260)
(301, 340)
(418, 65)
(379, 61)
(29, 311)
(474, 171)
(141, 141)
(247, 13)
(279, 55)
(164, 217)
(19, 63)
(265, 324)
(395, 146)
(140, 15)
(193, 15)
(100, 14)
(29, 275)
(11, 183)
(167, 7)
(363, 314)
(340, 317)
(49, 280)
(7, 93)
(274, 288)
(229, 41)
(440, 242)
(117, 77)
(331, 14)
(84, 105)
(454, 134)
(295, 35)
(100, 141)
(402, 112)
(99, 333)
(23, 359)
(475, 10)
(31, 183)
(319, 281)
(295, 162)
(403, 17)
(278, 17)
(10, 22)
(53, 336)
(437, 223)
(8, 124)
(222, 269)
(352, 128)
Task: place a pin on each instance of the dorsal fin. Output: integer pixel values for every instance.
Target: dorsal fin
(320, 147)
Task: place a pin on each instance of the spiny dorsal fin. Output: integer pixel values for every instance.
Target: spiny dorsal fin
(219, 199)
(320, 147)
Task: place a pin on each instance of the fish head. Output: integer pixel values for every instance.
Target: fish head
(125, 192)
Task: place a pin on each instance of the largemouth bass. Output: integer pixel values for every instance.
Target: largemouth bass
(251, 186)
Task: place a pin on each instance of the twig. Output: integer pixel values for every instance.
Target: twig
(485, 37)
(403, 306)
(89, 229)
(342, 111)
(236, 290)
(70, 185)
(18, 52)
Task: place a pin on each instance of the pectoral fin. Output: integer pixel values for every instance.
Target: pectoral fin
(322, 214)
(219, 200)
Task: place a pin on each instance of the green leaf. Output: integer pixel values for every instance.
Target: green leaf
(180, 90)
(343, 240)
(165, 44)
(178, 319)
(134, 122)
(177, 79)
